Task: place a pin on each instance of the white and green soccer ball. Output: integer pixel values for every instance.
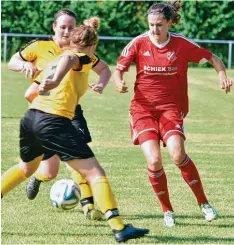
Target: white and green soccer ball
(65, 194)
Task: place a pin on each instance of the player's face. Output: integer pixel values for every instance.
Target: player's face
(62, 29)
(158, 27)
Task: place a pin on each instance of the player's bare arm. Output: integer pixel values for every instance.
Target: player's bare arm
(31, 92)
(103, 70)
(120, 84)
(68, 61)
(224, 82)
(17, 64)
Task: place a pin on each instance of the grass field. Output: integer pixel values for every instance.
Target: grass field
(210, 143)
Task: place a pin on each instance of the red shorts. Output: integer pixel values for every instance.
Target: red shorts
(158, 125)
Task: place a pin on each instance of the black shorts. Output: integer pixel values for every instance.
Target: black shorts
(41, 132)
(79, 122)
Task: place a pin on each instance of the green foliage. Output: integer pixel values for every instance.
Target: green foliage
(199, 20)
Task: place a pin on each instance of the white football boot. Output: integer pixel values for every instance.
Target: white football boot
(169, 218)
(208, 212)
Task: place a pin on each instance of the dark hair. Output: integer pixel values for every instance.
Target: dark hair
(86, 35)
(168, 10)
(64, 12)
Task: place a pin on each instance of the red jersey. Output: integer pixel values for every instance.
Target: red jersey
(161, 81)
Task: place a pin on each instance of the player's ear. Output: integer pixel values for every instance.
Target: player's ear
(169, 23)
(54, 25)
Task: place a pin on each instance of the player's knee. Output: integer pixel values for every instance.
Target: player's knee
(27, 169)
(89, 176)
(177, 157)
(50, 175)
(154, 163)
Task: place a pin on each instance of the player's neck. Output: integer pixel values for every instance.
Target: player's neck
(160, 43)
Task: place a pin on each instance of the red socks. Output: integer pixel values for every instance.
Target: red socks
(192, 178)
(158, 181)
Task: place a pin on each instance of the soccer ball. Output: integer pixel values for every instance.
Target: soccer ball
(65, 194)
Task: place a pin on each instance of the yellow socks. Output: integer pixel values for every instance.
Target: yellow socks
(85, 188)
(12, 178)
(105, 199)
(86, 198)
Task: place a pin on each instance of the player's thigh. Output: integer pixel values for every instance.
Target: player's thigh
(89, 168)
(50, 166)
(176, 149)
(30, 167)
(152, 153)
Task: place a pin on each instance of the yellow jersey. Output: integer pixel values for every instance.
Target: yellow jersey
(40, 52)
(63, 99)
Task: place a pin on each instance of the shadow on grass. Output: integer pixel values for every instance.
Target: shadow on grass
(152, 239)
(153, 216)
(193, 240)
(180, 218)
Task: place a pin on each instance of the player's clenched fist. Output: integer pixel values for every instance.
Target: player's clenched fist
(121, 87)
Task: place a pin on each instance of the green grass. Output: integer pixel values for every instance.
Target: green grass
(210, 143)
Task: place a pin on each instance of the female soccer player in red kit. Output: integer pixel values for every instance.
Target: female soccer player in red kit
(160, 100)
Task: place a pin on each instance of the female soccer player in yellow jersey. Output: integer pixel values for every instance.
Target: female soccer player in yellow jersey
(31, 59)
(47, 125)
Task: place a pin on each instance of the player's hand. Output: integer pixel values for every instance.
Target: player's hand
(121, 87)
(47, 85)
(226, 84)
(97, 87)
(29, 69)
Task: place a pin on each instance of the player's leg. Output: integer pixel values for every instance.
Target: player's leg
(47, 170)
(31, 154)
(71, 149)
(105, 199)
(145, 132)
(17, 174)
(174, 139)
(157, 175)
(86, 200)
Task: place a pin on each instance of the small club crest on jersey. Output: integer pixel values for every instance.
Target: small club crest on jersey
(171, 56)
(147, 53)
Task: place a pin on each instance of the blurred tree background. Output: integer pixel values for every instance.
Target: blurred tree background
(199, 20)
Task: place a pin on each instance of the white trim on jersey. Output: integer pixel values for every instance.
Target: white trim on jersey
(135, 136)
(162, 45)
(126, 49)
(172, 131)
(180, 35)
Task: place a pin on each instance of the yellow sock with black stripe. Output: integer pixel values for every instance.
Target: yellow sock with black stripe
(12, 178)
(86, 198)
(105, 199)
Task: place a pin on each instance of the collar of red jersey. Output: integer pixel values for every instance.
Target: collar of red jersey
(162, 45)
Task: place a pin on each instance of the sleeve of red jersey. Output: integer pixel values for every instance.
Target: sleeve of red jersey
(197, 54)
(127, 57)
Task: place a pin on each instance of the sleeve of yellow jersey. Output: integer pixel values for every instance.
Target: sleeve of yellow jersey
(95, 60)
(30, 51)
